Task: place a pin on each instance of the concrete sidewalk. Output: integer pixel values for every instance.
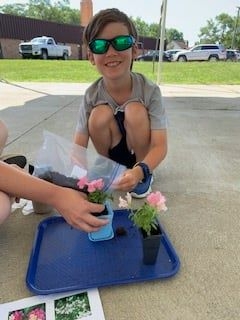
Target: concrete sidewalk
(200, 178)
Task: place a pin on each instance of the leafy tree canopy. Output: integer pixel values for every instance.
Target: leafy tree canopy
(220, 30)
(152, 30)
(58, 11)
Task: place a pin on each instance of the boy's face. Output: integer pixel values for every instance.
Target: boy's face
(113, 64)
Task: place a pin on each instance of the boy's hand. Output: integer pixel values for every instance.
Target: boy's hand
(129, 179)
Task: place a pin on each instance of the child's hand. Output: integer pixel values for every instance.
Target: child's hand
(129, 179)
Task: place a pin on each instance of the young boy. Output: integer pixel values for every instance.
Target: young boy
(122, 112)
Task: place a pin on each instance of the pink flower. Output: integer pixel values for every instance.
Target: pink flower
(145, 216)
(157, 200)
(82, 182)
(37, 314)
(95, 185)
(95, 190)
(16, 315)
(99, 184)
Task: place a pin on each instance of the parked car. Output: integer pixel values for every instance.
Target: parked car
(237, 54)
(231, 55)
(172, 52)
(44, 48)
(152, 55)
(202, 52)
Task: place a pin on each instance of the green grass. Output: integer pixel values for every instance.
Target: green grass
(82, 71)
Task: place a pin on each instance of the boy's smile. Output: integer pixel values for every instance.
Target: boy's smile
(113, 65)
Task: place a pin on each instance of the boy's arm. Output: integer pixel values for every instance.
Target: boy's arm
(157, 152)
(81, 139)
(158, 149)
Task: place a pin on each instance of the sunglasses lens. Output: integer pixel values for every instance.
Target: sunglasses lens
(99, 46)
(122, 43)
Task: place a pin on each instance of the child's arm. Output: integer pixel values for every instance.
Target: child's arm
(157, 152)
(70, 203)
(81, 139)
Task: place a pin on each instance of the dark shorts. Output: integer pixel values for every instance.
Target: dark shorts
(120, 153)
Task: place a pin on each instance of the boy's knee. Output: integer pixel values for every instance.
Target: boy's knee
(100, 116)
(135, 113)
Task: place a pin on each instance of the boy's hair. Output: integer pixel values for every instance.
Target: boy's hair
(104, 17)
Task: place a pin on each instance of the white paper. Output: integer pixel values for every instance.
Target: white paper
(75, 305)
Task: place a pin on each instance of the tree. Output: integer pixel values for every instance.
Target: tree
(141, 26)
(174, 34)
(152, 30)
(45, 10)
(220, 30)
(15, 9)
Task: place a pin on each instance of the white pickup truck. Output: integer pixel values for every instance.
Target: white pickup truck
(44, 48)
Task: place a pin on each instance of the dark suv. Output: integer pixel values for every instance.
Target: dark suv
(231, 55)
(152, 55)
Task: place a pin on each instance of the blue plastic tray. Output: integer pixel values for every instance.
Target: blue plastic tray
(64, 259)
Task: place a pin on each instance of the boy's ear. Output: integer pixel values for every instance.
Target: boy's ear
(90, 57)
(135, 51)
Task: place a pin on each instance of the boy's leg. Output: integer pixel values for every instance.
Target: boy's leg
(5, 206)
(121, 152)
(109, 136)
(137, 126)
(103, 129)
(138, 132)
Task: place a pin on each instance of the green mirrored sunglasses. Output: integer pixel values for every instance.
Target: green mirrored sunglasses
(119, 43)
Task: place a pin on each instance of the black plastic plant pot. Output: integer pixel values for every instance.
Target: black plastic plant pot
(151, 245)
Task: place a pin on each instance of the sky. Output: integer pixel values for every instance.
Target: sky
(187, 16)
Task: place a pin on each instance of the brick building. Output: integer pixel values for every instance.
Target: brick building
(15, 29)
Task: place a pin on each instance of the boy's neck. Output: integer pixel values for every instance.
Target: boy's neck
(119, 90)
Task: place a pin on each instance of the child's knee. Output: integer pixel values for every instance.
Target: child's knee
(136, 113)
(100, 116)
(5, 206)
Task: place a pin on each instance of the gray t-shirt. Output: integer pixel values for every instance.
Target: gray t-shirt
(143, 91)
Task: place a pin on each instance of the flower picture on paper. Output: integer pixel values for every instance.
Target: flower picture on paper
(30, 313)
(62, 306)
(73, 307)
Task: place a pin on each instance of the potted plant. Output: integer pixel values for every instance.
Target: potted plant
(145, 218)
(96, 193)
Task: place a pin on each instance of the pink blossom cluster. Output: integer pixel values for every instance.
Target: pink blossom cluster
(16, 315)
(37, 314)
(157, 200)
(90, 185)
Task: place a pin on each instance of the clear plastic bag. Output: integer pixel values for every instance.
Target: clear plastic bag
(59, 155)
